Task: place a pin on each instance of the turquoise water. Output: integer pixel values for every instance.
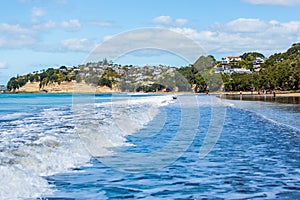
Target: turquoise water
(115, 147)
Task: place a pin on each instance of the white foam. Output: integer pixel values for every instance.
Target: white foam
(35, 146)
(102, 130)
(12, 116)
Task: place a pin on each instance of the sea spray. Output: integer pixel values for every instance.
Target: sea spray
(102, 126)
(44, 141)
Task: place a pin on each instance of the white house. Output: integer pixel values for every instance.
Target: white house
(230, 59)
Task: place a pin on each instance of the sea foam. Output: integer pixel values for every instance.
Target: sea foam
(54, 140)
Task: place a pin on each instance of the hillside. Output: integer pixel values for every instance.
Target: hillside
(280, 71)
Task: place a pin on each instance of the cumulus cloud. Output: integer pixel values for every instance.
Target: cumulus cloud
(78, 44)
(15, 36)
(234, 37)
(274, 2)
(167, 20)
(162, 19)
(18, 36)
(149, 41)
(247, 25)
(71, 25)
(242, 35)
(180, 22)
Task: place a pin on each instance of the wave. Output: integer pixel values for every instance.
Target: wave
(36, 147)
(13, 116)
(102, 126)
(47, 142)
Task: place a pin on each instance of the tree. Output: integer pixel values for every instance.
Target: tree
(245, 64)
(105, 82)
(12, 84)
(251, 56)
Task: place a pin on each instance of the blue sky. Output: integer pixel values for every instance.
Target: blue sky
(37, 34)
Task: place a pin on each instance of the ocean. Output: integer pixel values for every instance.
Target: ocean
(146, 146)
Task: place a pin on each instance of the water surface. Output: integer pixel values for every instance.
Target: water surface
(257, 155)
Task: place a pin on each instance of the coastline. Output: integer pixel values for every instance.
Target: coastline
(73, 87)
(64, 88)
(287, 98)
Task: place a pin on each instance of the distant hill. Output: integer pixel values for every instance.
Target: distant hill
(280, 71)
(100, 75)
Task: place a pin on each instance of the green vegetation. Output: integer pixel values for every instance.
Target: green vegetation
(280, 71)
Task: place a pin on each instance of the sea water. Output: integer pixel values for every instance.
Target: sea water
(64, 146)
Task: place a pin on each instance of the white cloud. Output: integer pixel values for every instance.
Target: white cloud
(44, 25)
(167, 20)
(146, 40)
(49, 24)
(241, 35)
(37, 12)
(78, 44)
(15, 36)
(180, 22)
(13, 29)
(162, 19)
(101, 23)
(71, 25)
(16, 41)
(3, 65)
(274, 2)
(246, 25)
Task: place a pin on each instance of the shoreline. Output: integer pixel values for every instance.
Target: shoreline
(286, 98)
(227, 94)
(111, 91)
(83, 88)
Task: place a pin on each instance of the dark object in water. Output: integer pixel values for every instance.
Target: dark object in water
(174, 97)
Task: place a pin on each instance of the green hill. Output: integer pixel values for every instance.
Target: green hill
(280, 71)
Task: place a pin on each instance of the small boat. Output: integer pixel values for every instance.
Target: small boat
(174, 97)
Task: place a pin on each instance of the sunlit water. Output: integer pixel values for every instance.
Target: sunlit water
(43, 155)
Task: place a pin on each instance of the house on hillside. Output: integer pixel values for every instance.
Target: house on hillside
(227, 69)
(230, 59)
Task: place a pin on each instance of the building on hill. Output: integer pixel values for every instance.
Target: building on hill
(230, 59)
(227, 69)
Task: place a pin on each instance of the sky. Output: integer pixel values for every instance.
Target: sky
(37, 34)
